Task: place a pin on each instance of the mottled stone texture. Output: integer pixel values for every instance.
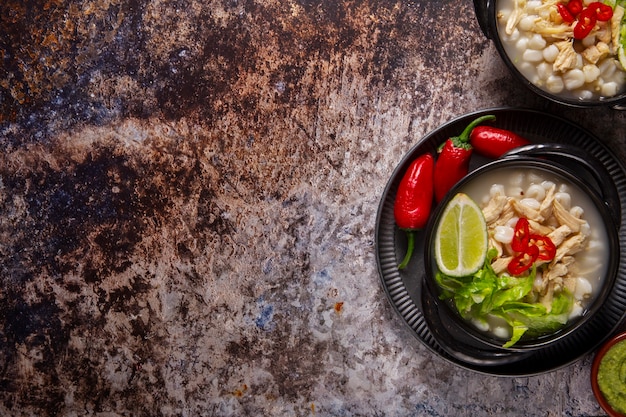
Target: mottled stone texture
(188, 192)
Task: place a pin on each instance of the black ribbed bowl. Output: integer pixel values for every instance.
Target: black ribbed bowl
(594, 187)
(420, 310)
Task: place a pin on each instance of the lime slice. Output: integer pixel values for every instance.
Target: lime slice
(461, 237)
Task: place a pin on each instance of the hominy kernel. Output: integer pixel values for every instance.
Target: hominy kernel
(609, 89)
(532, 55)
(574, 79)
(555, 84)
(550, 53)
(591, 72)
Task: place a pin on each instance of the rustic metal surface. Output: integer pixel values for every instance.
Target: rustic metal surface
(188, 192)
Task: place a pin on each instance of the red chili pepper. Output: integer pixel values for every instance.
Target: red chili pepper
(566, 15)
(414, 200)
(530, 247)
(586, 22)
(521, 235)
(544, 245)
(493, 142)
(574, 7)
(453, 160)
(603, 12)
(523, 261)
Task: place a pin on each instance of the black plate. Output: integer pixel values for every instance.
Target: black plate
(415, 304)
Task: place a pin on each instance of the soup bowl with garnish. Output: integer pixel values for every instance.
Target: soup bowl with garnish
(524, 250)
(568, 51)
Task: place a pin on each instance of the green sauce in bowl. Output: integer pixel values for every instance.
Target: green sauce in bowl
(608, 375)
(612, 376)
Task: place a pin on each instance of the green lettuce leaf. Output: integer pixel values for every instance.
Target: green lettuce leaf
(486, 294)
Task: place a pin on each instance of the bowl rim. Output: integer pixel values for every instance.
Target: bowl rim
(612, 267)
(595, 387)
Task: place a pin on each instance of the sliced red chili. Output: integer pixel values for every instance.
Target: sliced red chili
(586, 22)
(523, 261)
(521, 235)
(575, 7)
(603, 12)
(566, 15)
(545, 247)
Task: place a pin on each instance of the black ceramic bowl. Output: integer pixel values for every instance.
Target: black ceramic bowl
(595, 368)
(486, 12)
(561, 166)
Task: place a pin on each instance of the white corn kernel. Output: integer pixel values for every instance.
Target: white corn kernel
(555, 84)
(530, 202)
(503, 234)
(544, 70)
(522, 44)
(574, 79)
(536, 192)
(537, 42)
(532, 55)
(550, 53)
(589, 40)
(526, 23)
(577, 212)
(496, 190)
(607, 68)
(609, 89)
(591, 72)
(564, 199)
(583, 288)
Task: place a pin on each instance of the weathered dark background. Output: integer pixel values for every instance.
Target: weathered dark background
(188, 192)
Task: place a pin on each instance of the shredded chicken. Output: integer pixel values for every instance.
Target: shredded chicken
(540, 228)
(603, 34)
(618, 14)
(596, 52)
(558, 235)
(565, 228)
(570, 284)
(493, 243)
(516, 16)
(546, 205)
(571, 246)
(499, 265)
(495, 207)
(550, 30)
(557, 270)
(546, 299)
(567, 57)
(566, 218)
(526, 211)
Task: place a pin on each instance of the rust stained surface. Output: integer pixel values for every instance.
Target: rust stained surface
(95, 61)
(188, 192)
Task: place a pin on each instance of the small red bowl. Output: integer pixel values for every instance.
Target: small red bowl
(594, 374)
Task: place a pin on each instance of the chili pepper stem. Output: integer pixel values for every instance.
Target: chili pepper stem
(464, 136)
(409, 250)
(463, 140)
